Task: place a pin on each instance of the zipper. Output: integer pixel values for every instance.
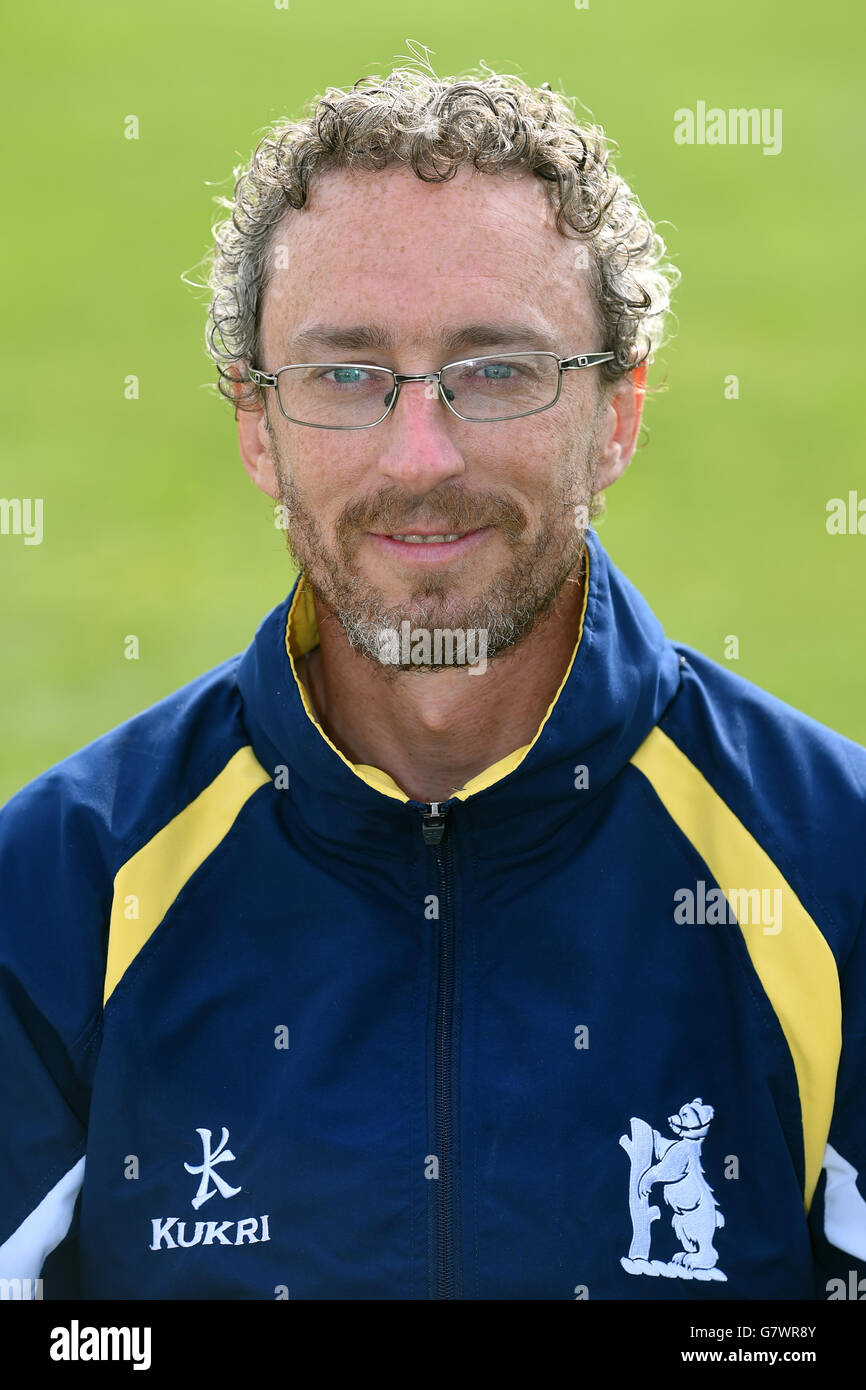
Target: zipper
(433, 827)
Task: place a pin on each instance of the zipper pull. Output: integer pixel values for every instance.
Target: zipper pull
(433, 824)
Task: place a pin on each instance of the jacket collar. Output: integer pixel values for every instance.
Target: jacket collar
(622, 674)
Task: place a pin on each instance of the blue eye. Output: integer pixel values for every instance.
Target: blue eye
(496, 371)
(347, 376)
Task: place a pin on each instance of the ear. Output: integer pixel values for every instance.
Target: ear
(620, 424)
(254, 442)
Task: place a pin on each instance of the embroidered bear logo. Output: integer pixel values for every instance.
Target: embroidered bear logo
(676, 1164)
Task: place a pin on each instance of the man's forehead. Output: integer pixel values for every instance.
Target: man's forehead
(397, 195)
(375, 254)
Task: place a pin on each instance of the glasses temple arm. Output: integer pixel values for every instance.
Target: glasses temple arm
(585, 359)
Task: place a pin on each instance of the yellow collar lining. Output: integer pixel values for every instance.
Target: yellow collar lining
(302, 635)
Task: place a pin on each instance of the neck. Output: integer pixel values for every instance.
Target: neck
(434, 731)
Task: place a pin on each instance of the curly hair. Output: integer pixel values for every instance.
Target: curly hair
(433, 125)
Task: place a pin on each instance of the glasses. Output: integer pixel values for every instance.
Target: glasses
(356, 395)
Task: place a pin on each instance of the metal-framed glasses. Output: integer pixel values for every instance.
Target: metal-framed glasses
(358, 395)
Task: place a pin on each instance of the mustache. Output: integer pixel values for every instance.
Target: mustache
(449, 509)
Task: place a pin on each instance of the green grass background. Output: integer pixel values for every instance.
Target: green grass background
(151, 527)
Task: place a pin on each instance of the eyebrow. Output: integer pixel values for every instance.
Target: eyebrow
(456, 338)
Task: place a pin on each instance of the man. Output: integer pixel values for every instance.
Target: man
(464, 937)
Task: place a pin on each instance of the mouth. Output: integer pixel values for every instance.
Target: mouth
(425, 539)
(429, 547)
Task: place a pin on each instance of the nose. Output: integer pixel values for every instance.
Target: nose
(418, 450)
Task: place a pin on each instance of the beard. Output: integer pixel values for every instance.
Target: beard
(507, 609)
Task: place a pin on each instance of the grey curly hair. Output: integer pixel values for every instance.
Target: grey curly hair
(434, 125)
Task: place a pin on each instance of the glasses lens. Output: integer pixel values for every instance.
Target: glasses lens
(335, 394)
(495, 388)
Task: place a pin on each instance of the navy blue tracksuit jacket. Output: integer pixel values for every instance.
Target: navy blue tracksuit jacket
(595, 1027)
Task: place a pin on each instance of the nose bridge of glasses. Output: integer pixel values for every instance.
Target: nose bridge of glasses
(428, 378)
(401, 377)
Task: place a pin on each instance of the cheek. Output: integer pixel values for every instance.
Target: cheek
(550, 467)
(525, 454)
(328, 474)
(317, 468)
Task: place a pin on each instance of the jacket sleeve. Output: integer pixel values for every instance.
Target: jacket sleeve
(54, 905)
(838, 1214)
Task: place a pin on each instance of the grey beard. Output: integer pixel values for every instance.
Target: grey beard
(507, 610)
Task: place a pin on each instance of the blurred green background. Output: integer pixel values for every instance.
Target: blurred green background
(150, 526)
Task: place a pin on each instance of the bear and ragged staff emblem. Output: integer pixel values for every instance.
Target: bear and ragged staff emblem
(676, 1164)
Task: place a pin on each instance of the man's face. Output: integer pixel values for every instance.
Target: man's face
(385, 269)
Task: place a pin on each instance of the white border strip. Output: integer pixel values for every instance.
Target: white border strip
(24, 1253)
(844, 1208)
